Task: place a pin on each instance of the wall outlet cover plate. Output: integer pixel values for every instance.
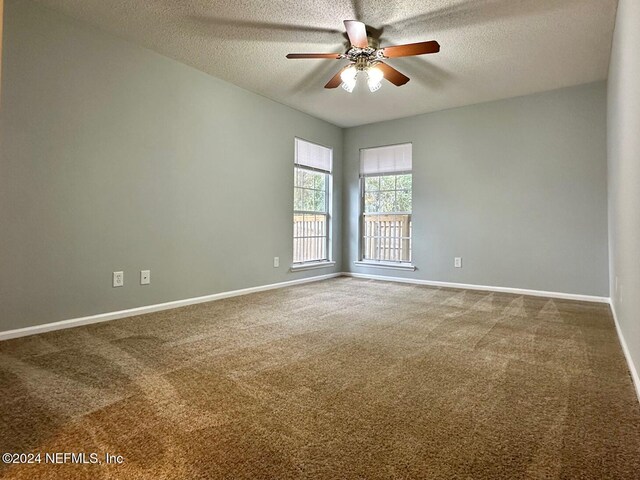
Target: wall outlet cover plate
(118, 279)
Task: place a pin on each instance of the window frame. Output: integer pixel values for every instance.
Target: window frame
(368, 262)
(328, 190)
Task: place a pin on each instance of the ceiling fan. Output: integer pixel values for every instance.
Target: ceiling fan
(365, 56)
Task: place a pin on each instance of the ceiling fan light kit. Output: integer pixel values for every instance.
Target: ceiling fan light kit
(365, 56)
(349, 75)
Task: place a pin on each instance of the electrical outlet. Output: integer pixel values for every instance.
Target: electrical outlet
(276, 262)
(457, 262)
(118, 279)
(145, 277)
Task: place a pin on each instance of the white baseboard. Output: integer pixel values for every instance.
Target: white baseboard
(517, 291)
(104, 317)
(632, 368)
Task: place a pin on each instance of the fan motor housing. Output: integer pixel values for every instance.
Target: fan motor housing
(368, 54)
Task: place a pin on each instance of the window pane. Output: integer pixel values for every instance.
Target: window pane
(316, 225)
(297, 225)
(403, 201)
(387, 238)
(319, 181)
(307, 200)
(311, 179)
(403, 182)
(310, 237)
(371, 202)
(298, 202)
(319, 201)
(298, 177)
(388, 182)
(387, 201)
(371, 183)
(310, 191)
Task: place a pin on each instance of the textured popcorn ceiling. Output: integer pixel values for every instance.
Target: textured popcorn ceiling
(491, 49)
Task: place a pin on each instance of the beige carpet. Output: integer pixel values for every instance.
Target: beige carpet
(344, 378)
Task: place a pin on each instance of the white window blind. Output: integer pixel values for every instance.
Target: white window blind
(384, 160)
(314, 156)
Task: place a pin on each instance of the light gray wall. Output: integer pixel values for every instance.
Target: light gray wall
(116, 158)
(624, 173)
(516, 187)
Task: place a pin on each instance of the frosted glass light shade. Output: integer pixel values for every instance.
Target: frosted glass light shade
(374, 78)
(348, 77)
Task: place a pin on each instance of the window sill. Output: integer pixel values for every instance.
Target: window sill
(390, 266)
(311, 265)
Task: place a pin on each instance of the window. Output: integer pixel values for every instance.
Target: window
(311, 202)
(385, 177)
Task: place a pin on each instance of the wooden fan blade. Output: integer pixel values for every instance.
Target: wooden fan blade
(314, 55)
(393, 75)
(357, 33)
(411, 49)
(336, 80)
